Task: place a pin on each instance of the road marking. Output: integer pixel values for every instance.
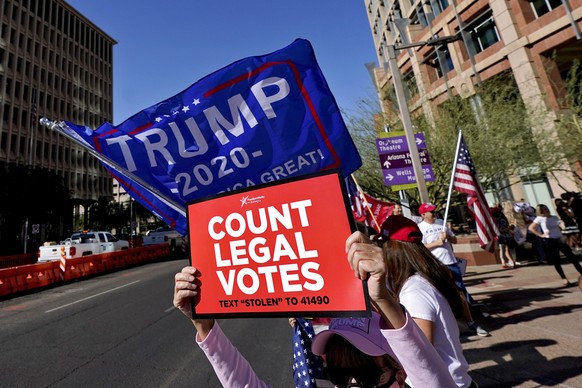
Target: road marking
(91, 297)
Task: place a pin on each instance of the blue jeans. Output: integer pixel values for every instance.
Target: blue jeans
(458, 278)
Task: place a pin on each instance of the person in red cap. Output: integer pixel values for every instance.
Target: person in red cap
(425, 287)
(438, 239)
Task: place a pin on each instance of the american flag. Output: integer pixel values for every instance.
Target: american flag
(33, 106)
(356, 201)
(465, 181)
(306, 366)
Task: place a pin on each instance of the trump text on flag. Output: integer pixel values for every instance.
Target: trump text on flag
(255, 121)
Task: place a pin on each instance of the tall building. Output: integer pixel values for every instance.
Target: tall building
(57, 62)
(535, 40)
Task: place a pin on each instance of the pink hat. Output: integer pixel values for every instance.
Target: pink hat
(400, 228)
(363, 333)
(426, 207)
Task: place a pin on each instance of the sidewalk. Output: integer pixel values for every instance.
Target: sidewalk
(535, 325)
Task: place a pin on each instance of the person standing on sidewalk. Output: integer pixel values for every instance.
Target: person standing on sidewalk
(505, 239)
(547, 227)
(438, 240)
(424, 286)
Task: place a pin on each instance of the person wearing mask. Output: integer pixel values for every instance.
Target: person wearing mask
(547, 228)
(438, 239)
(352, 359)
(425, 287)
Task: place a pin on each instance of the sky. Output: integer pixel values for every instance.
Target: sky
(165, 46)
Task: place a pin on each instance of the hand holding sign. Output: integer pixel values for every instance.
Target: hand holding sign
(187, 295)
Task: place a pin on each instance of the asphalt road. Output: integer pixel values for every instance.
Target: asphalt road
(121, 330)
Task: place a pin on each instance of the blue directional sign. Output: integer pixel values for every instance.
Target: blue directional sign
(396, 162)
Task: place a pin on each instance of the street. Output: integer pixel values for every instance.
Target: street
(535, 324)
(121, 330)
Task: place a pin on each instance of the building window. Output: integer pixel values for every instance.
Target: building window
(542, 7)
(438, 6)
(410, 81)
(440, 59)
(483, 31)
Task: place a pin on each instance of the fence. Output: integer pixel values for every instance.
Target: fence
(32, 276)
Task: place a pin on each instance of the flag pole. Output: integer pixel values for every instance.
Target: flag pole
(452, 178)
(365, 202)
(58, 127)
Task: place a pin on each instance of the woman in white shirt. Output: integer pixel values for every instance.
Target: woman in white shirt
(547, 227)
(425, 287)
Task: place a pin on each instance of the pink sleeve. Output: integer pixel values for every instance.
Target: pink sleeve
(418, 357)
(231, 368)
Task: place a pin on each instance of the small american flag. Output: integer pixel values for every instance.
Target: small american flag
(33, 107)
(356, 202)
(465, 181)
(306, 366)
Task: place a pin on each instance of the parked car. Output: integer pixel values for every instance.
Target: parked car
(81, 244)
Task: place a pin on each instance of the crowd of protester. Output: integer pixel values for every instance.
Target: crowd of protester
(416, 288)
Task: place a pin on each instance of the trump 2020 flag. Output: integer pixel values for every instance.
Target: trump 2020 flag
(257, 120)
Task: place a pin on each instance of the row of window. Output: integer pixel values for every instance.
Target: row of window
(52, 22)
(94, 61)
(46, 151)
(94, 98)
(16, 117)
(81, 172)
(481, 32)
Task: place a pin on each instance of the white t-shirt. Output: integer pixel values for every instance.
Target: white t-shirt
(549, 224)
(423, 301)
(431, 233)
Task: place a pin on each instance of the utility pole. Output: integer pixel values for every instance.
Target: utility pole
(30, 155)
(403, 106)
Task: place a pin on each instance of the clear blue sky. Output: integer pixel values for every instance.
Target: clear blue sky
(164, 46)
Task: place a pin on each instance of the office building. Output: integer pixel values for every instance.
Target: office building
(57, 62)
(536, 41)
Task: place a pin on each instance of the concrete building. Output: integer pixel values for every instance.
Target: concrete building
(54, 59)
(535, 40)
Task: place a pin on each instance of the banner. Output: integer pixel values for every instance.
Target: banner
(276, 250)
(378, 211)
(255, 121)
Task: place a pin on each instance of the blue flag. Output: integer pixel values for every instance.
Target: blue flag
(255, 121)
(306, 366)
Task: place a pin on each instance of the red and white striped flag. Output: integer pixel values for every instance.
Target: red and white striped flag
(465, 181)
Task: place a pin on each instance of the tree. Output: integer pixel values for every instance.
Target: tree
(569, 129)
(34, 194)
(495, 124)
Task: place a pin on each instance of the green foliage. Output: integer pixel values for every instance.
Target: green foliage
(496, 127)
(36, 194)
(570, 124)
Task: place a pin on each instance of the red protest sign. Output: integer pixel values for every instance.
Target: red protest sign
(276, 250)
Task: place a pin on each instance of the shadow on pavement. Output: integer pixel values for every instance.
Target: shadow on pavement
(515, 363)
(505, 306)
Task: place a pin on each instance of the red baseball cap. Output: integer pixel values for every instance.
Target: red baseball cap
(401, 228)
(426, 207)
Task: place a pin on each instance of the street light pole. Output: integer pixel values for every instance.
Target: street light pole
(407, 124)
(403, 106)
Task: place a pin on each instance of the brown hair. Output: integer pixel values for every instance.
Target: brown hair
(404, 259)
(540, 208)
